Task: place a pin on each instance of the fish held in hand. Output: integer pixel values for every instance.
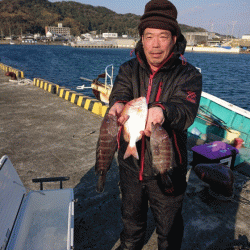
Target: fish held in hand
(162, 153)
(106, 148)
(137, 110)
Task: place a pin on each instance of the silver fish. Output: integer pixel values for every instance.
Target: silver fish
(137, 110)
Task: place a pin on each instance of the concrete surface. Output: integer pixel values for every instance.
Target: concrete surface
(45, 135)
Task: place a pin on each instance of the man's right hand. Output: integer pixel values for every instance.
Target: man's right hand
(116, 110)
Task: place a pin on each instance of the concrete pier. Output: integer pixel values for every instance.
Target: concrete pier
(45, 135)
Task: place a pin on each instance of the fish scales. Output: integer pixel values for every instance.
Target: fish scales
(106, 148)
(162, 155)
(161, 148)
(137, 110)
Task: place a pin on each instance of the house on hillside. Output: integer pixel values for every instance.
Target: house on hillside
(60, 30)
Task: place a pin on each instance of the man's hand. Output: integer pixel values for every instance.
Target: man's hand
(155, 115)
(116, 110)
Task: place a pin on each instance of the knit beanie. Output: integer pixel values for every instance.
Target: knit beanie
(160, 14)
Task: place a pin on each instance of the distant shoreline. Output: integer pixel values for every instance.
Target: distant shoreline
(37, 43)
(188, 48)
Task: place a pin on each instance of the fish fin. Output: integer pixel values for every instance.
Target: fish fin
(166, 181)
(100, 183)
(131, 151)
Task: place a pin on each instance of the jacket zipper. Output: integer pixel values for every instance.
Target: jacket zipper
(143, 136)
(147, 99)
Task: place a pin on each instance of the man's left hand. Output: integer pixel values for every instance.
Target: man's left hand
(155, 115)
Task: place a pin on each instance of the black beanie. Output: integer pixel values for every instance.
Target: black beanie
(160, 14)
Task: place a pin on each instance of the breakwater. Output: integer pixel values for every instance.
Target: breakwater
(213, 49)
(6, 68)
(95, 45)
(88, 103)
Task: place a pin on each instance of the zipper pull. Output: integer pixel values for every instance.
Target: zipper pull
(149, 88)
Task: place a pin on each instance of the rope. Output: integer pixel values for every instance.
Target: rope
(22, 81)
(25, 82)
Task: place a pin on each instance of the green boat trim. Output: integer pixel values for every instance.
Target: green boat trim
(218, 119)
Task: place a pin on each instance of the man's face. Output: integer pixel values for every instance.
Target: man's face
(157, 45)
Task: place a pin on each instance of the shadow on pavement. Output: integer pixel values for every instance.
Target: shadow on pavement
(98, 221)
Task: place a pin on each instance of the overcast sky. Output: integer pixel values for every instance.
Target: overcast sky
(222, 16)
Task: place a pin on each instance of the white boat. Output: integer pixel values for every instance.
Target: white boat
(101, 90)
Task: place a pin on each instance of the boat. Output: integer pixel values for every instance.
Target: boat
(217, 120)
(101, 90)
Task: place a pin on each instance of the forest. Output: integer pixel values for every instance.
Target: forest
(31, 16)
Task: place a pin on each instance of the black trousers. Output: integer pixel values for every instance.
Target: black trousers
(166, 211)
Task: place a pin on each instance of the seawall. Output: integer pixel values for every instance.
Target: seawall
(93, 105)
(212, 49)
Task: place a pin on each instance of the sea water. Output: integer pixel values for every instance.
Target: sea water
(226, 76)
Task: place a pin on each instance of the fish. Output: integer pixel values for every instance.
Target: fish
(219, 177)
(106, 148)
(161, 147)
(136, 110)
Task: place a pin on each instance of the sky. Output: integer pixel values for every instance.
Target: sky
(227, 17)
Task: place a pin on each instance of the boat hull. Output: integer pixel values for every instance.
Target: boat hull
(220, 120)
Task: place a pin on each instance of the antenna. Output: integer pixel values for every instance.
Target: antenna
(212, 25)
(233, 28)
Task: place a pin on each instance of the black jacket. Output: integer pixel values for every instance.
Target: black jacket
(179, 85)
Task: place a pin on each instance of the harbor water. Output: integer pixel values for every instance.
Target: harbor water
(226, 76)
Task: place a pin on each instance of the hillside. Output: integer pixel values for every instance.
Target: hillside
(31, 16)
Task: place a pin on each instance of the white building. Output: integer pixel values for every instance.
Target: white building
(49, 34)
(194, 38)
(110, 35)
(246, 37)
(60, 30)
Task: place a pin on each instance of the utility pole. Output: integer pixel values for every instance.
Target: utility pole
(227, 32)
(233, 29)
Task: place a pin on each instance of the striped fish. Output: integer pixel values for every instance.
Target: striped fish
(162, 153)
(106, 148)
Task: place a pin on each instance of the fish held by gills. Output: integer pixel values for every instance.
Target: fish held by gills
(137, 110)
(162, 154)
(106, 148)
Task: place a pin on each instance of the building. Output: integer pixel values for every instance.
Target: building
(109, 35)
(246, 37)
(60, 30)
(194, 38)
(125, 43)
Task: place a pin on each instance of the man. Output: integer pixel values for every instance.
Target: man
(172, 88)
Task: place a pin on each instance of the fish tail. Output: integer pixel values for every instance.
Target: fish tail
(100, 183)
(131, 151)
(166, 181)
